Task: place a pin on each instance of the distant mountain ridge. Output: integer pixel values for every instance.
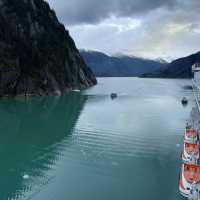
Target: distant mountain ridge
(119, 66)
(180, 68)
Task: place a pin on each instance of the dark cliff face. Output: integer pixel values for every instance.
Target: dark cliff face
(119, 66)
(180, 68)
(37, 54)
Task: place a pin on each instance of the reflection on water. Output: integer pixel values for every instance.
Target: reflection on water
(31, 140)
(88, 146)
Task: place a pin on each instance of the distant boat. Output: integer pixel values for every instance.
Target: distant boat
(184, 101)
(113, 95)
(188, 87)
(76, 90)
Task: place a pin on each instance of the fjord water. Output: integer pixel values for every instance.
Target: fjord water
(87, 146)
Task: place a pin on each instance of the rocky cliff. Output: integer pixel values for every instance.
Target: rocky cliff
(180, 68)
(37, 54)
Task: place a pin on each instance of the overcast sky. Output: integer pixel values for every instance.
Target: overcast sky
(148, 28)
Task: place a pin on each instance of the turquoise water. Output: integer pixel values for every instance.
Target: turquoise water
(85, 146)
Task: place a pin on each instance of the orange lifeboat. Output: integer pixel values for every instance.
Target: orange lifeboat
(191, 136)
(190, 153)
(189, 183)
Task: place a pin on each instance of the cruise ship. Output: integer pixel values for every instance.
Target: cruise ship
(189, 181)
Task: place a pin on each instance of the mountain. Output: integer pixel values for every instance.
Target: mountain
(37, 54)
(180, 68)
(119, 66)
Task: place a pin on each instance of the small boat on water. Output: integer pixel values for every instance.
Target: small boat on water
(189, 182)
(113, 95)
(191, 136)
(190, 153)
(184, 101)
(75, 90)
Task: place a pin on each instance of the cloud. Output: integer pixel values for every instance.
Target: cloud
(159, 34)
(147, 28)
(95, 11)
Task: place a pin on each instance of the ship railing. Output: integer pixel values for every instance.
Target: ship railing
(196, 92)
(195, 69)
